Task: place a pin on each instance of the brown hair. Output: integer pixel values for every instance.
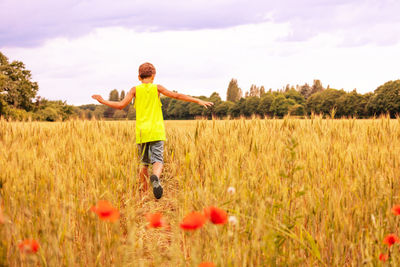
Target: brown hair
(146, 70)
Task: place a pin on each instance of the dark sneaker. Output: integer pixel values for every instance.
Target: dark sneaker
(157, 188)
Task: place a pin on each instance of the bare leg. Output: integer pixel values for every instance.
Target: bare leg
(157, 168)
(155, 182)
(144, 176)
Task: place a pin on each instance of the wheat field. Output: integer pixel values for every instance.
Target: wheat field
(311, 192)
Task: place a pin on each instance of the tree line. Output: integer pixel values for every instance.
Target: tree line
(299, 100)
(18, 100)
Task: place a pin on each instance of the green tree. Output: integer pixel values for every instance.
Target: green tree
(324, 101)
(386, 99)
(122, 95)
(316, 87)
(233, 93)
(251, 105)
(305, 90)
(238, 108)
(296, 109)
(179, 110)
(132, 113)
(165, 101)
(216, 99)
(367, 100)
(119, 114)
(262, 91)
(296, 96)
(3, 105)
(265, 104)
(352, 104)
(91, 107)
(52, 110)
(254, 91)
(223, 108)
(171, 108)
(281, 105)
(48, 114)
(114, 96)
(196, 109)
(16, 86)
(99, 111)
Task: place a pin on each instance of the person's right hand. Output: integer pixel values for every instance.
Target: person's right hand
(205, 103)
(97, 97)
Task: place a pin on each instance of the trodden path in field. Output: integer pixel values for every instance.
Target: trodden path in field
(143, 244)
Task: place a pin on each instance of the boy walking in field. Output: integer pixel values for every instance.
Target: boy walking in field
(150, 131)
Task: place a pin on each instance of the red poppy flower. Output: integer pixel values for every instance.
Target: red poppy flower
(193, 221)
(29, 246)
(383, 257)
(106, 211)
(396, 210)
(155, 220)
(206, 264)
(391, 239)
(216, 215)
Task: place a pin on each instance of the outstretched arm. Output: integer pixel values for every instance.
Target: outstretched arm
(114, 104)
(164, 91)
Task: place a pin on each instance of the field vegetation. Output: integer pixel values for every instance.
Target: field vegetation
(311, 192)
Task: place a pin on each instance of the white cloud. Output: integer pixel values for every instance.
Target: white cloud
(203, 61)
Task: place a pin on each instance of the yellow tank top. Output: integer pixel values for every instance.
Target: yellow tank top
(149, 118)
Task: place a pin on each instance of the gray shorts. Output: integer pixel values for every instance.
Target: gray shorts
(151, 152)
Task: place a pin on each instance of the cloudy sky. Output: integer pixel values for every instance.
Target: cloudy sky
(77, 48)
